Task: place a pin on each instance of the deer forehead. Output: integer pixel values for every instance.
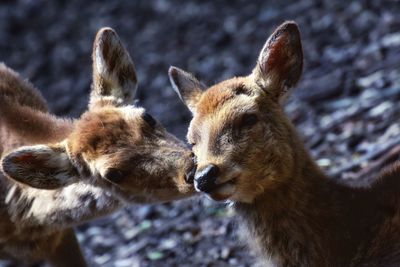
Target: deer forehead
(225, 94)
(103, 131)
(222, 104)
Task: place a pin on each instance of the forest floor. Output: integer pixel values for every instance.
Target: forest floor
(346, 106)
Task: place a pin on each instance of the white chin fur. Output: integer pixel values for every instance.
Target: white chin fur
(223, 193)
(227, 189)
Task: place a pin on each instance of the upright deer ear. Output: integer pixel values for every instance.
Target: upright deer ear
(280, 62)
(40, 166)
(114, 74)
(188, 88)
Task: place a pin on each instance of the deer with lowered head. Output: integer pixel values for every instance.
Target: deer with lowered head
(248, 153)
(58, 172)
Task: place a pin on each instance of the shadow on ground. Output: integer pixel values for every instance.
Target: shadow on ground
(346, 106)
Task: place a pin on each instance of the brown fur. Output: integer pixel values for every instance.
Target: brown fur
(114, 154)
(17, 100)
(291, 213)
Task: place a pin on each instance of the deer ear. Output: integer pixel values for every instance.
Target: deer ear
(188, 88)
(280, 62)
(114, 74)
(40, 166)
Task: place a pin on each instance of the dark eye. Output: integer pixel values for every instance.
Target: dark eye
(249, 120)
(149, 120)
(114, 175)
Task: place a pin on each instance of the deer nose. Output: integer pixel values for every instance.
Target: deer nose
(189, 176)
(206, 177)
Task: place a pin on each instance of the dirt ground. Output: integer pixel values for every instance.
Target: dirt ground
(346, 106)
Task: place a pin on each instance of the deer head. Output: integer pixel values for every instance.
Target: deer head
(240, 135)
(115, 144)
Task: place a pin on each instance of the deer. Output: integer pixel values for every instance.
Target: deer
(59, 172)
(250, 155)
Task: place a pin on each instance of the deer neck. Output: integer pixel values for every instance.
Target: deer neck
(308, 220)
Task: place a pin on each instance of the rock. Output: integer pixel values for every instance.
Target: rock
(321, 88)
(345, 104)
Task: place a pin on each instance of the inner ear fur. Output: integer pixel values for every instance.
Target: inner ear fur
(114, 75)
(40, 166)
(188, 88)
(280, 62)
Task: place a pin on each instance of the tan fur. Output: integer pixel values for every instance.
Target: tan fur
(18, 101)
(57, 172)
(291, 213)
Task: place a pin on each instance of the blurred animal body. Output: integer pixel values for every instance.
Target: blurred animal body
(248, 152)
(57, 172)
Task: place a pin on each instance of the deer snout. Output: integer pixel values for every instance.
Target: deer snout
(205, 178)
(191, 171)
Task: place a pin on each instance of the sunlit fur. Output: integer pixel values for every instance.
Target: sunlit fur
(56, 172)
(241, 153)
(291, 213)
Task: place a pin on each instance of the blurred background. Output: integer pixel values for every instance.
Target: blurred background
(346, 106)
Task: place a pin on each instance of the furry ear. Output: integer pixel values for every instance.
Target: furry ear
(280, 62)
(40, 166)
(114, 74)
(188, 88)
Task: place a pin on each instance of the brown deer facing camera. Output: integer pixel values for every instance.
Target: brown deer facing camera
(249, 153)
(114, 154)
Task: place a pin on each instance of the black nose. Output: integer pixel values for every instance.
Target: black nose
(205, 178)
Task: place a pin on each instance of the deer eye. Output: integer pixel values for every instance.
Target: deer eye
(149, 120)
(114, 175)
(249, 120)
